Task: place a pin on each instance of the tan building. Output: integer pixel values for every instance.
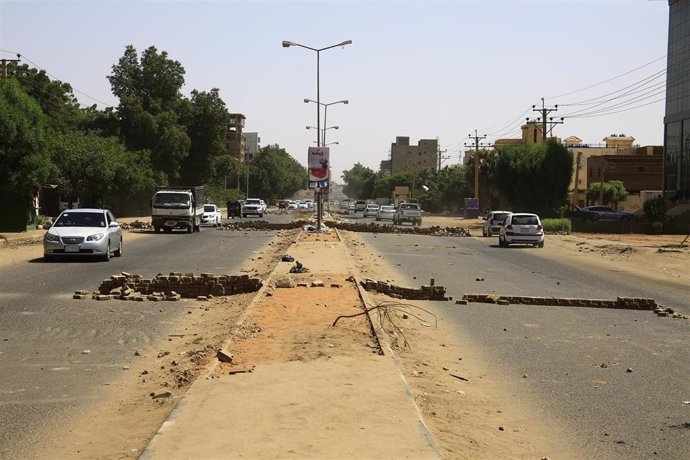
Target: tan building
(234, 139)
(405, 157)
(613, 145)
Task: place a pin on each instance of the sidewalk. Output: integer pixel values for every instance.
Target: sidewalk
(315, 391)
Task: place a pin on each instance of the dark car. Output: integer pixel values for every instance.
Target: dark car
(604, 213)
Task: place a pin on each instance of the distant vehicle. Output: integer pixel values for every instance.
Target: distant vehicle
(385, 212)
(360, 205)
(371, 210)
(234, 209)
(303, 205)
(310, 203)
(351, 206)
(345, 205)
(407, 212)
(177, 207)
(211, 215)
(253, 206)
(521, 228)
(292, 205)
(604, 213)
(282, 204)
(83, 232)
(493, 222)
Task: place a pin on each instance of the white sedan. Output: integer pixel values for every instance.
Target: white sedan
(385, 212)
(211, 215)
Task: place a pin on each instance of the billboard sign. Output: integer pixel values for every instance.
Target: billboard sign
(318, 167)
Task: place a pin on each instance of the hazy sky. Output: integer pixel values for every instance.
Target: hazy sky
(423, 69)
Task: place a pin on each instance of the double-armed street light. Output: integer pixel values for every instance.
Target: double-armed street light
(325, 113)
(322, 134)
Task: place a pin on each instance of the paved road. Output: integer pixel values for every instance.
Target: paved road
(611, 413)
(44, 372)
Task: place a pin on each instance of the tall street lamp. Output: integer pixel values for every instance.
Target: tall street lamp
(325, 113)
(287, 44)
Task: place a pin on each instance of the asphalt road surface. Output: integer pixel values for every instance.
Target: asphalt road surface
(55, 351)
(576, 358)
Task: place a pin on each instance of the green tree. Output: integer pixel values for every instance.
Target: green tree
(614, 192)
(24, 157)
(274, 174)
(534, 177)
(149, 90)
(359, 182)
(206, 127)
(92, 166)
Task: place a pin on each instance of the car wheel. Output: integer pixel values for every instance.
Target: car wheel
(118, 251)
(261, 215)
(106, 256)
(157, 229)
(541, 244)
(168, 230)
(48, 258)
(190, 228)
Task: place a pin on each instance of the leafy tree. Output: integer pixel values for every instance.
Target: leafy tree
(534, 177)
(359, 182)
(614, 192)
(150, 98)
(274, 174)
(56, 99)
(24, 157)
(206, 128)
(655, 209)
(92, 166)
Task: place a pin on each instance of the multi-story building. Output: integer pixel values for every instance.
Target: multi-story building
(234, 138)
(405, 157)
(677, 117)
(251, 142)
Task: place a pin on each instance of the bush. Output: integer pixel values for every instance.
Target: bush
(657, 227)
(557, 225)
(655, 209)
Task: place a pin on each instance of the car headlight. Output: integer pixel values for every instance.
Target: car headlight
(95, 237)
(52, 237)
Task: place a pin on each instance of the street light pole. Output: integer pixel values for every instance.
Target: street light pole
(287, 44)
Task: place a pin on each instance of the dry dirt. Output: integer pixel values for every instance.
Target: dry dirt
(469, 419)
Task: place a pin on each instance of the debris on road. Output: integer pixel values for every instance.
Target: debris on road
(430, 292)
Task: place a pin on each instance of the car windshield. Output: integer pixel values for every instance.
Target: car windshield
(252, 201)
(525, 220)
(387, 208)
(409, 206)
(80, 219)
(171, 200)
(208, 208)
(500, 216)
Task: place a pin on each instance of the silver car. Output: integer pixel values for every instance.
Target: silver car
(521, 228)
(83, 232)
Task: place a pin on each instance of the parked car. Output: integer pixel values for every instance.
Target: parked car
(521, 228)
(371, 210)
(407, 212)
(493, 222)
(253, 206)
(604, 213)
(360, 205)
(292, 205)
(211, 215)
(385, 212)
(344, 205)
(83, 232)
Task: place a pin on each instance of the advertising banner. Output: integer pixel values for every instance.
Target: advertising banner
(318, 167)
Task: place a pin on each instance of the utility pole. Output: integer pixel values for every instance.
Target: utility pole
(441, 157)
(546, 120)
(476, 139)
(4, 65)
(576, 191)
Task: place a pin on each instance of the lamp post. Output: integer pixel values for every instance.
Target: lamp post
(287, 44)
(325, 113)
(330, 143)
(322, 134)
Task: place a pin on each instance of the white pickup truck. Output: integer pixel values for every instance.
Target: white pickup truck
(407, 212)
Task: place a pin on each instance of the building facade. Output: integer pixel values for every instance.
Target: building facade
(406, 157)
(252, 145)
(677, 114)
(234, 138)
